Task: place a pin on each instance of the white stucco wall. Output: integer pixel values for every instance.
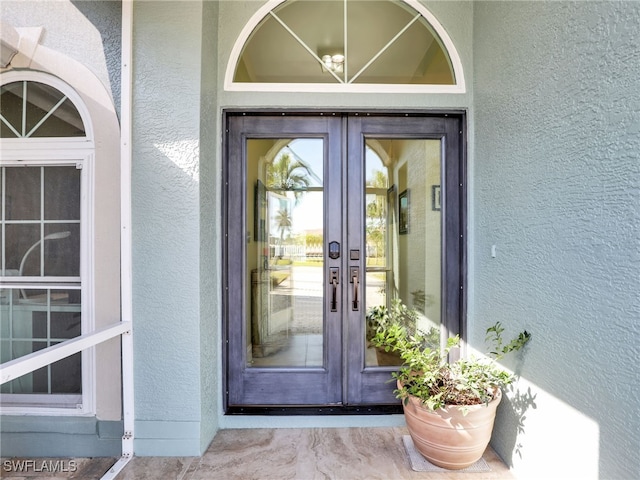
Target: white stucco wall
(94, 40)
(557, 190)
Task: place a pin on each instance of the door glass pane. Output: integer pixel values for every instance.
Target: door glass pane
(403, 239)
(284, 208)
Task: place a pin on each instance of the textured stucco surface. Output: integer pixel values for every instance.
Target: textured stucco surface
(554, 173)
(166, 226)
(94, 39)
(557, 190)
(210, 224)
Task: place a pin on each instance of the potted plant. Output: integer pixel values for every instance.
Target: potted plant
(449, 407)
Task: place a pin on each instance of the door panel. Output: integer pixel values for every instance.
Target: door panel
(284, 344)
(399, 214)
(339, 214)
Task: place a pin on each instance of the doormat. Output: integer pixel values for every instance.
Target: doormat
(421, 464)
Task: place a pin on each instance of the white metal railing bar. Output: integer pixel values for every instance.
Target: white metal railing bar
(126, 250)
(28, 363)
(117, 467)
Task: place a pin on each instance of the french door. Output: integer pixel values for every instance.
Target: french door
(330, 219)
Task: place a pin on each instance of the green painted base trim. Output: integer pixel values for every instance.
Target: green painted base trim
(146, 447)
(167, 439)
(35, 436)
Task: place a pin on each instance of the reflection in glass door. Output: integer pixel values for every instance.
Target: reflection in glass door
(334, 224)
(403, 240)
(286, 259)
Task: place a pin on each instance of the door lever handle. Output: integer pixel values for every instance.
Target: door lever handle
(334, 274)
(355, 279)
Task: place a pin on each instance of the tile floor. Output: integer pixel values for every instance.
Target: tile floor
(280, 454)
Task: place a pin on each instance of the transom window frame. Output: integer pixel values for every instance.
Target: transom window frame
(50, 152)
(254, 21)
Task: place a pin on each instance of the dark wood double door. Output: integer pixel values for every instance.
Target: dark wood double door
(328, 216)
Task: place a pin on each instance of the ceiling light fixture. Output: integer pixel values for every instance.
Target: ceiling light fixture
(335, 63)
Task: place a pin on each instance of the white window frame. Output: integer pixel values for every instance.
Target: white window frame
(245, 34)
(60, 151)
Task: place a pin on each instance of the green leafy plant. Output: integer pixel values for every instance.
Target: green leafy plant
(380, 317)
(428, 375)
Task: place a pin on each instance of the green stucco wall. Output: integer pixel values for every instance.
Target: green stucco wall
(174, 227)
(557, 190)
(553, 183)
(210, 207)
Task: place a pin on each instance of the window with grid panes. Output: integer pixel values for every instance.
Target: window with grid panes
(41, 228)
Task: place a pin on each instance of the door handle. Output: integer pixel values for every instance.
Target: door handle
(334, 279)
(355, 279)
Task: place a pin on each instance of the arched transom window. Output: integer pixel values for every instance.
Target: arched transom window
(344, 45)
(34, 109)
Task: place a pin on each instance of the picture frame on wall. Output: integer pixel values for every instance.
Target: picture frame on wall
(403, 212)
(260, 213)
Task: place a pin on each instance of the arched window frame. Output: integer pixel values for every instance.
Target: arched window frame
(230, 85)
(61, 151)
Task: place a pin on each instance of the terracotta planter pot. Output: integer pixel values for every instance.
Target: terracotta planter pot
(446, 437)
